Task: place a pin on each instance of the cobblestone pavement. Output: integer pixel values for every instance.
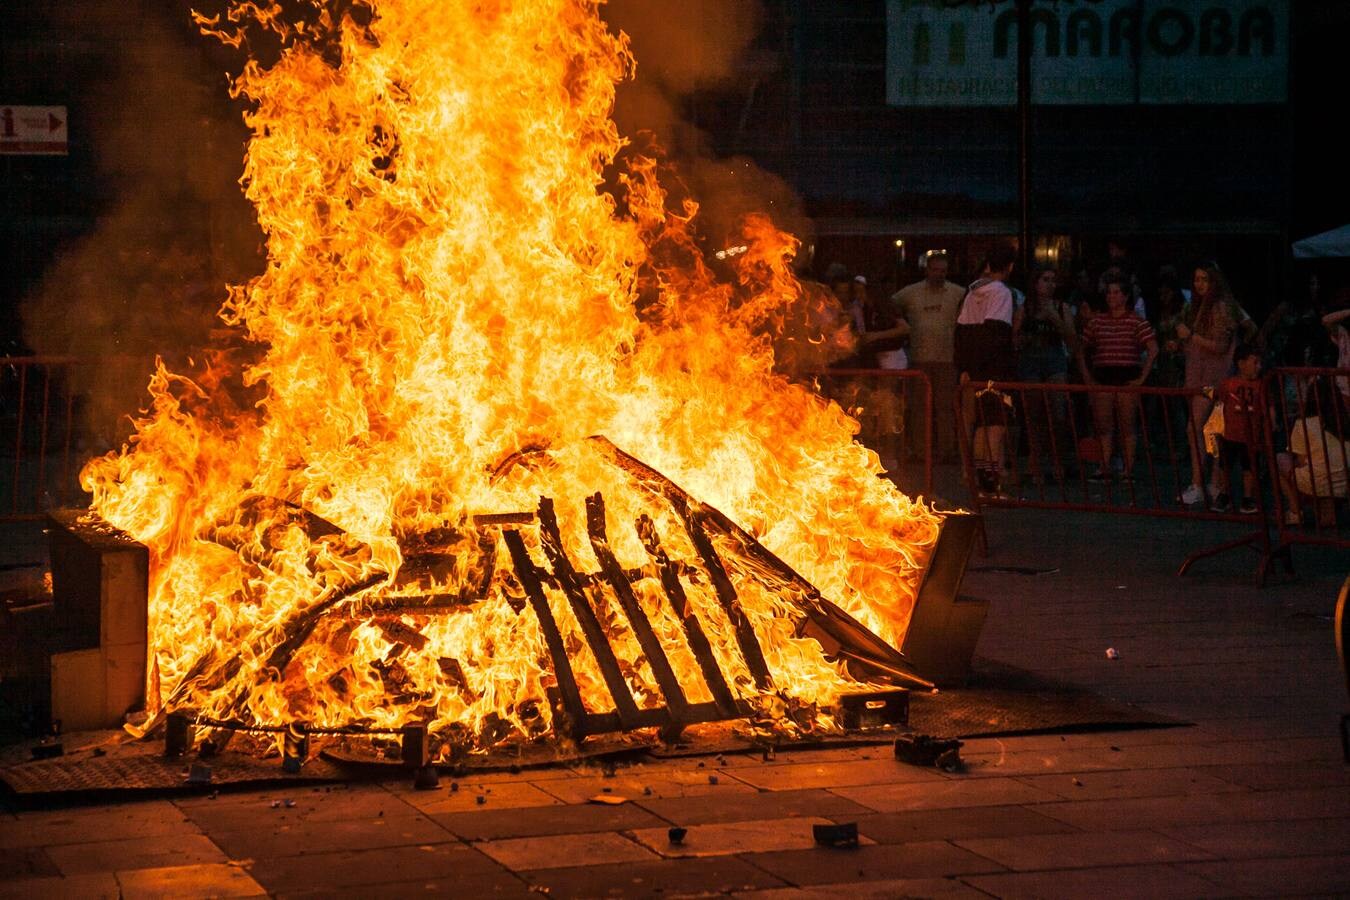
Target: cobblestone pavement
(1252, 800)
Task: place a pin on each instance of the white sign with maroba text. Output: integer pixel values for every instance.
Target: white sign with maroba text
(1089, 52)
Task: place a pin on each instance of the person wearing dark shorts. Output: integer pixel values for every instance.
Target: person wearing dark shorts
(1244, 407)
(1117, 339)
(983, 351)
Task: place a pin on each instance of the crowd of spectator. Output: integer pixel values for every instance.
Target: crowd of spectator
(1096, 325)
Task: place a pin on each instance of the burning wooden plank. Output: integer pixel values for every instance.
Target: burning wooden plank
(551, 541)
(571, 711)
(637, 619)
(669, 574)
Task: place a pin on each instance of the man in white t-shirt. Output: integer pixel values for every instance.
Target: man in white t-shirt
(930, 307)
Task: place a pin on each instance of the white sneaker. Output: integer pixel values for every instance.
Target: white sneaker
(1193, 495)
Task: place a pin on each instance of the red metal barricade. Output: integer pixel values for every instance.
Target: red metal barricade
(892, 395)
(1308, 455)
(1054, 446)
(37, 425)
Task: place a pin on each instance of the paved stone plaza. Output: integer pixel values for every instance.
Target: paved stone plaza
(1253, 799)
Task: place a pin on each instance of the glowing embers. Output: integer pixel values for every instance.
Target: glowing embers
(682, 618)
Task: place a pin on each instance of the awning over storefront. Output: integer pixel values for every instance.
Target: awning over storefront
(1333, 244)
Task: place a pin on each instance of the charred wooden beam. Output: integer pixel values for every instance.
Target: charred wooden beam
(279, 643)
(569, 694)
(746, 638)
(527, 456)
(484, 520)
(693, 629)
(454, 675)
(436, 566)
(637, 618)
(550, 539)
(396, 631)
(384, 608)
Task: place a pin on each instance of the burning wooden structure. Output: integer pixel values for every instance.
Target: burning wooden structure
(602, 603)
(384, 508)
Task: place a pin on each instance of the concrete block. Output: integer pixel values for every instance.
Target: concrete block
(100, 591)
(78, 690)
(100, 581)
(123, 680)
(124, 593)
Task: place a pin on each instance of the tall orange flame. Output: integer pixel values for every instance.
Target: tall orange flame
(447, 286)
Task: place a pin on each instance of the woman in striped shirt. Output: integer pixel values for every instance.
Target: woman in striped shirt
(1117, 339)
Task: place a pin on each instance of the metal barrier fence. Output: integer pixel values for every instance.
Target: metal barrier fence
(1136, 450)
(1069, 435)
(37, 426)
(895, 407)
(1045, 439)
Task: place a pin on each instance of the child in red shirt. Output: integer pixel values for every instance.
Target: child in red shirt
(1244, 406)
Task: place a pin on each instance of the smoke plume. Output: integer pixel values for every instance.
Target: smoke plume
(173, 228)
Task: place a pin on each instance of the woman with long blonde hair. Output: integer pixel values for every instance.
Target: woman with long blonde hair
(1208, 338)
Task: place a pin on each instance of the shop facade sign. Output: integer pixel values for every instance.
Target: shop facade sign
(1089, 52)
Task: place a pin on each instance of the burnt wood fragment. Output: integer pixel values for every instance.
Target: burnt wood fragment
(178, 734)
(842, 834)
(396, 631)
(573, 711)
(873, 709)
(925, 750)
(278, 643)
(454, 675)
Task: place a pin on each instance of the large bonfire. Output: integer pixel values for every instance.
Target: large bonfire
(463, 288)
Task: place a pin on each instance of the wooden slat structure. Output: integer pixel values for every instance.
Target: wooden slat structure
(725, 553)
